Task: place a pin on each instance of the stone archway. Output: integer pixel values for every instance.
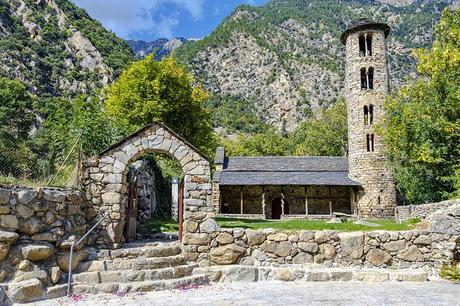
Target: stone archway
(105, 183)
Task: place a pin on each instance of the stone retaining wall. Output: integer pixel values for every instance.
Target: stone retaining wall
(381, 249)
(37, 228)
(422, 211)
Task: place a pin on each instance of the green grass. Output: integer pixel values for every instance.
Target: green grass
(387, 224)
(157, 225)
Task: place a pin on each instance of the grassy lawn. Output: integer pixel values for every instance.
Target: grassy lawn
(388, 225)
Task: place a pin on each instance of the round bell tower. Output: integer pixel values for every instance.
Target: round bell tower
(366, 86)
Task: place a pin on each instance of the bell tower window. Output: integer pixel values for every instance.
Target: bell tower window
(363, 78)
(370, 142)
(369, 44)
(362, 46)
(371, 114)
(370, 78)
(366, 115)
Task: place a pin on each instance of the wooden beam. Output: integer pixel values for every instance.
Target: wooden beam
(330, 201)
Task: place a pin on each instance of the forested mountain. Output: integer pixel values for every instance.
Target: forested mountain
(56, 49)
(277, 64)
(160, 47)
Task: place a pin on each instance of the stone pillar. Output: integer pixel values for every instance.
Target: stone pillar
(174, 198)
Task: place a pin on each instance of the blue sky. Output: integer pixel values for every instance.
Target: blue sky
(152, 19)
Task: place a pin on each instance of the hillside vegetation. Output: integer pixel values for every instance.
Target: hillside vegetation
(282, 62)
(56, 49)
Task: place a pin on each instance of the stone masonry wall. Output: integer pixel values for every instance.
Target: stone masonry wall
(377, 249)
(37, 228)
(378, 198)
(422, 211)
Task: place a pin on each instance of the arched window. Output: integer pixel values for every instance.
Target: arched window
(366, 115)
(371, 114)
(370, 78)
(369, 44)
(370, 142)
(363, 78)
(362, 46)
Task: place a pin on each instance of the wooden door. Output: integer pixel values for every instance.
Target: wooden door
(276, 208)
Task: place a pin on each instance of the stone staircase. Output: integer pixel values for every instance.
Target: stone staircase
(137, 267)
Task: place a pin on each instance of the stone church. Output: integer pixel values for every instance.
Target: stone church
(319, 187)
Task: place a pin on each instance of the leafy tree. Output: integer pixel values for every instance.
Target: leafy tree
(323, 136)
(163, 91)
(268, 143)
(422, 124)
(16, 122)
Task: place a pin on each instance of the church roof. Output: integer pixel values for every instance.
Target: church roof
(362, 24)
(273, 170)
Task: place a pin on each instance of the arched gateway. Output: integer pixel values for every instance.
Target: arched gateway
(105, 177)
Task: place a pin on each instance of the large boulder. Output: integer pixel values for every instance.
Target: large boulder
(378, 257)
(26, 291)
(24, 211)
(226, 254)
(310, 247)
(9, 221)
(302, 258)
(412, 254)
(26, 196)
(281, 249)
(8, 236)
(209, 226)
(5, 195)
(63, 260)
(196, 239)
(31, 226)
(37, 252)
(4, 248)
(352, 244)
(255, 237)
(445, 221)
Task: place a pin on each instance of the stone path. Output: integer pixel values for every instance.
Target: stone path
(294, 293)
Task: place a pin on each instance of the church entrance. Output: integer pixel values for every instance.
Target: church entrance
(277, 210)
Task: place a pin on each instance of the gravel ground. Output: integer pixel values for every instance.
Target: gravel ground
(279, 293)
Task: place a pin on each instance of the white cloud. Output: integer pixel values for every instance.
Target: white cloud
(141, 16)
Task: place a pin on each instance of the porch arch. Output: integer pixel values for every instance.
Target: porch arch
(105, 176)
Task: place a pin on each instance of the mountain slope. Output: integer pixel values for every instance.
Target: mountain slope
(56, 48)
(161, 47)
(284, 60)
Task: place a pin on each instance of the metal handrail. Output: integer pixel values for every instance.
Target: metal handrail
(69, 278)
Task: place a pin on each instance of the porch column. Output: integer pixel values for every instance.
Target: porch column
(306, 201)
(282, 201)
(263, 201)
(241, 200)
(330, 202)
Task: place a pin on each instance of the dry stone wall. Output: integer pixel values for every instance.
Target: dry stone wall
(37, 228)
(376, 249)
(404, 213)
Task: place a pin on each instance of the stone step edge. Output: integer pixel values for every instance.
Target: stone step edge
(145, 286)
(240, 273)
(140, 251)
(97, 277)
(101, 265)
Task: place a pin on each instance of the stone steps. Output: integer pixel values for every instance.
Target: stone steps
(140, 263)
(238, 273)
(135, 250)
(137, 286)
(124, 276)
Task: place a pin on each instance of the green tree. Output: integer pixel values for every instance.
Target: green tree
(422, 124)
(163, 91)
(323, 136)
(268, 143)
(16, 122)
